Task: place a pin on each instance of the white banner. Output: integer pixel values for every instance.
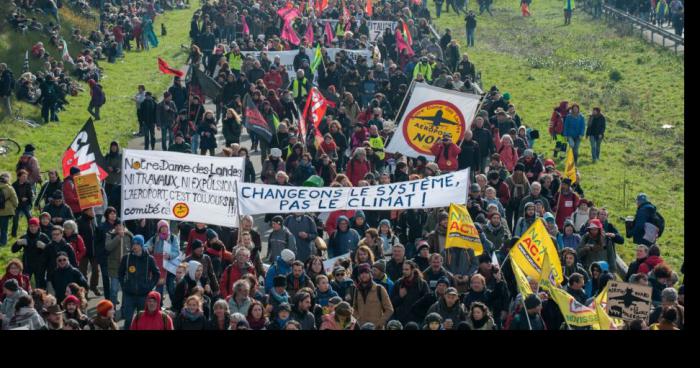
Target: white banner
(436, 191)
(180, 186)
(430, 113)
(376, 27)
(287, 57)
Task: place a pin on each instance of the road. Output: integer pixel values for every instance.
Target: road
(262, 227)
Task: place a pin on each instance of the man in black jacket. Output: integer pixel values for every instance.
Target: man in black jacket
(166, 113)
(87, 228)
(64, 274)
(483, 137)
(470, 154)
(34, 256)
(138, 275)
(148, 113)
(59, 211)
(595, 132)
(6, 82)
(394, 268)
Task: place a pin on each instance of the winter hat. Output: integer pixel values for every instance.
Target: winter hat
(484, 258)
(549, 162)
(57, 194)
(287, 256)
(211, 234)
(343, 309)
(519, 167)
(532, 301)
(192, 267)
(368, 326)
(365, 267)
(566, 181)
(276, 152)
(34, 221)
(380, 266)
(196, 244)
(549, 217)
(394, 325)
(529, 153)
(474, 188)
(422, 244)
(433, 167)
(642, 197)
(279, 281)
(138, 239)
(451, 290)
(71, 299)
(11, 285)
(74, 171)
(492, 175)
(411, 326)
(568, 250)
(442, 216)
(29, 148)
(595, 223)
(335, 300)
(278, 220)
(283, 307)
(54, 309)
(433, 317)
(44, 214)
(443, 280)
(506, 96)
(103, 307)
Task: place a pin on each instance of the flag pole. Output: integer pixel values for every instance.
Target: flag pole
(522, 300)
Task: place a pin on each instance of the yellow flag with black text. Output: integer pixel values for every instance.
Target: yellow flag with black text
(570, 165)
(520, 278)
(461, 232)
(548, 277)
(575, 313)
(529, 252)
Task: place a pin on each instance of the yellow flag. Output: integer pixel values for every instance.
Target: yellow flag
(570, 166)
(605, 322)
(575, 313)
(529, 252)
(461, 232)
(523, 284)
(548, 277)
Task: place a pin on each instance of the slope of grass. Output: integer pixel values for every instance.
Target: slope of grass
(541, 62)
(120, 81)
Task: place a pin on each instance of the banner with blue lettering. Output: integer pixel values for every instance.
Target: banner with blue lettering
(434, 191)
(180, 186)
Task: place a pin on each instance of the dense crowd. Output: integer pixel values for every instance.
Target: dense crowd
(399, 274)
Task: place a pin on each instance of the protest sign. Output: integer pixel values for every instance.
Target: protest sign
(435, 191)
(376, 27)
(461, 232)
(328, 264)
(89, 191)
(628, 301)
(178, 186)
(429, 113)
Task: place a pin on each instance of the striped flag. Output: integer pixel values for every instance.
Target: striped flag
(407, 34)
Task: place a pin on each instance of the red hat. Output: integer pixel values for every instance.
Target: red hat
(34, 221)
(103, 307)
(71, 299)
(595, 223)
(549, 162)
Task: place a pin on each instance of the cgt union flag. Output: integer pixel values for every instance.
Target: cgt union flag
(84, 153)
(314, 111)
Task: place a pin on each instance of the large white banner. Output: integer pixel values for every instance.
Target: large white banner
(180, 186)
(435, 191)
(430, 113)
(376, 27)
(287, 57)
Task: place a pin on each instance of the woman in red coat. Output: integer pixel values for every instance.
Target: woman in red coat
(70, 233)
(14, 271)
(358, 166)
(446, 153)
(508, 153)
(566, 202)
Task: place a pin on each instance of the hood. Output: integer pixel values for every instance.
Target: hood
(282, 266)
(602, 264)
(339, 220)
(192, 269)
(385, 222)
(114, 143)
(162, 223)
(154, 295)
(563, 106)
(360, 214)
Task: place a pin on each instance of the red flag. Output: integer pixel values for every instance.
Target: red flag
(314, 111)
(84, 153)
(167, 69)
(368, 8)
(288, 13)
(401, 43)
(407, 33)
(289, 34)
(321, 5)
(246, 29)
(329, 34)
(309, 33)
(255, 122)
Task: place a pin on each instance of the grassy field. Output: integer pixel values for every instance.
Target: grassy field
(120, 81)
(541, 62)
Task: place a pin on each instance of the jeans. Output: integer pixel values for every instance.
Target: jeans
(22, 209)
(438, 9)
(149, 135)
(203, 151)
(4, 223)
(166, 134)
(131, 304)
(7, 104)
(595, 147)
(597, 11)
(39, 276)
(195, 143)
(94, 110)
(452, 4)
(470, 36)
(114, 288)
(574, 143)
(169, 287)
(48, 112)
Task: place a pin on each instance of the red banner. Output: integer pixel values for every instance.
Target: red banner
(314, 110)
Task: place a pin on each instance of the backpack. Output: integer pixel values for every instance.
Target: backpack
(658, 221)
(23, 163)
(379, 296)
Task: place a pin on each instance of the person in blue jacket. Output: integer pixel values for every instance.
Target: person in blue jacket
(138, 275)
(574, 129)
(156, 247)
(645, 212)
(282, 266)
(344, 239)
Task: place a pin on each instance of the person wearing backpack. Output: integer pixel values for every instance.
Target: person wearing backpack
(152, 318)
(8, 206)
(370, 301)
(648, 224)
(7, 85)
(97, 99)
(30, 163)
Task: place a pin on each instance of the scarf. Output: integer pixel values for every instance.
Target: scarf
(103, 323)
(280, 322)
(279, 298)
(256, 324)
(191, 316)
(480, 323)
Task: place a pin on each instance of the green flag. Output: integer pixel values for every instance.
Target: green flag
(317, 58)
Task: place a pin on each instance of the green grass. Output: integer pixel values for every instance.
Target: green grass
(120, 81)
(541, 62)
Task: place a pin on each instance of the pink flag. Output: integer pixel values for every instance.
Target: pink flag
(289, 34)
(288, 12)
(309, 33)
(246, 30)
(401, 43)
(329, 34)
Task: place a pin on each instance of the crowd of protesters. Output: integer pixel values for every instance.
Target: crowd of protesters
(399, 274)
